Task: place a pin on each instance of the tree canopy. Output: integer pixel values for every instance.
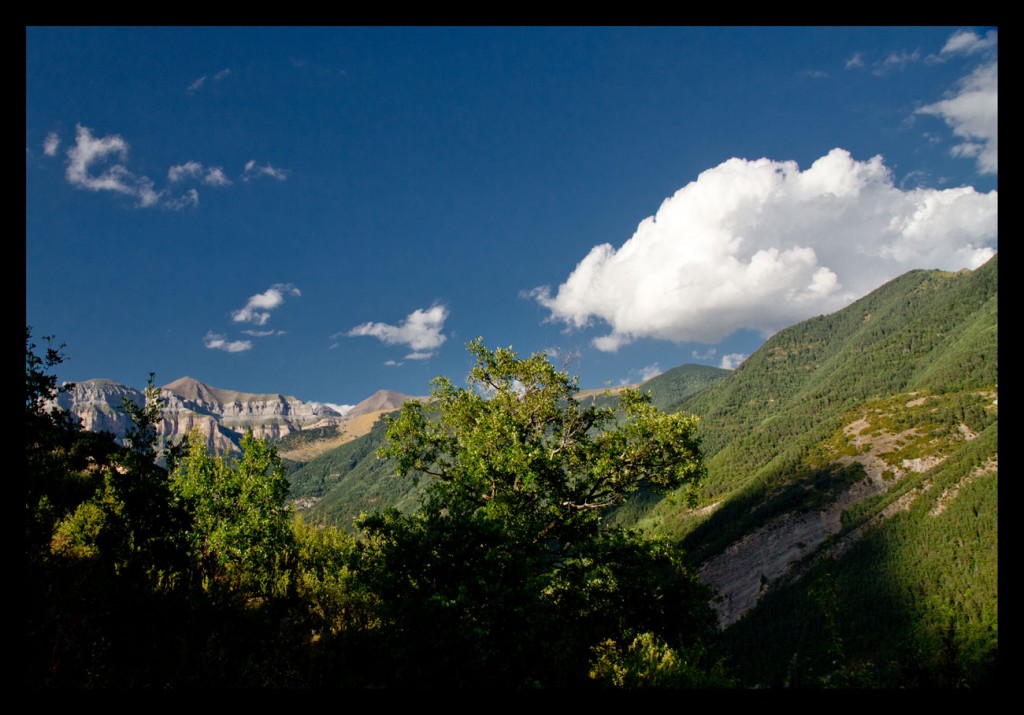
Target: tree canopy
(519, 448)
(507, 575)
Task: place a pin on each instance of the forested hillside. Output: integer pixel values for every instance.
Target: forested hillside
(852, 473)
(338, 486)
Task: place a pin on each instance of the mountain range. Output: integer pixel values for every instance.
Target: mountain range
(222, 416)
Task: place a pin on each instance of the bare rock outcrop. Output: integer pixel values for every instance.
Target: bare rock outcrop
(220, 416)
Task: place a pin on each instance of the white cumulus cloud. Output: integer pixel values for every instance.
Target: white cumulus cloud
(92, 164)
(968, 42)
(215, 177)
(421, 332)
(186, 170)
(732, 361)
(340, 409)
(760, 244)
(972, 112)
(646, 373)
(88, 152)
(257, 308)
(50, 144)
(219, 342)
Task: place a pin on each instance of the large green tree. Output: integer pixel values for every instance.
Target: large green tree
(507, 575)
(517, 447)
(240, 532)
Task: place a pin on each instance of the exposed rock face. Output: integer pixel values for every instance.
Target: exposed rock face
(221, 416)
(98, 404)
(269, 416)
(744, 571)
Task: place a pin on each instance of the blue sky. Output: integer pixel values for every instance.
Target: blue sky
(324, 212)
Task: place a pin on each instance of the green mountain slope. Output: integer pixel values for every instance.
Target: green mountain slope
(339, 485)
(874, 428)
(925, 329)
(672, 386)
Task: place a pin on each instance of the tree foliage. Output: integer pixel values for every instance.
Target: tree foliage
(518, 448)
(240, 527)
(506, 576)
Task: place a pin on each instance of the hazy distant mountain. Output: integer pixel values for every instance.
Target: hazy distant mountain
(381, 401)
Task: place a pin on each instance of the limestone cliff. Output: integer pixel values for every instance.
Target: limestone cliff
(221, 416)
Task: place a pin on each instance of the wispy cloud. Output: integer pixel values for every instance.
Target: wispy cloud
(189, 199)
(199, 83)
(255, 171)
(967, 42)
(183, 171)
(971, 111)
(642, 375)
(732, 361)
(421, 332)
(51, 143)
(257, 308)
(761, 244)
(813, 74)
(896, 61)
(219, 342)
(99, 164)
(212, 176)
(709, 354)
(856, 60)
(263, 333)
